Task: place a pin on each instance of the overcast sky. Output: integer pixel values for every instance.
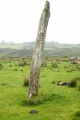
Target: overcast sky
(19, 20)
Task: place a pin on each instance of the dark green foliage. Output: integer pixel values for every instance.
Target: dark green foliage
(36, 100)
(10, 65)
(65, 66)
(77, 116)
(52, 97)
(39, 99)
(77, 78)
(22, 63)
(54, 65)
(26, 81)
(1, 66)
(53, 82)
(78, 67)
(4, 83)
(73, 83)
(15, 65)
(79, 88)
(44, 64)
(15, 69)
(69, 70)
(74, 62)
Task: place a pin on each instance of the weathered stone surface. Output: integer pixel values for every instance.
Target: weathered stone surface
(37, 55)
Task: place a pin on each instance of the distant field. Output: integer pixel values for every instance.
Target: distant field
(50, 49)
(12, 46)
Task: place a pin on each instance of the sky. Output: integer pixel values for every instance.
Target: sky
(19, 20)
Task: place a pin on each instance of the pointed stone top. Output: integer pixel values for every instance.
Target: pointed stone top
(46, 6)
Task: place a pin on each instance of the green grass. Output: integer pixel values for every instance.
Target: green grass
(60, 102)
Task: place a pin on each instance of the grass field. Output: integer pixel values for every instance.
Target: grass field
(61, 102)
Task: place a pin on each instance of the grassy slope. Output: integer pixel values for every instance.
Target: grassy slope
(50, 49)
(65, 103)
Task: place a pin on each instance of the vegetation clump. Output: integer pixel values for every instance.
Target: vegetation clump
(15, 69)
(33, 111)
(77, 116)
(36, 100)
(54, 64)
(26, 81)
(79, 88)
(22, 63)
(4, 83)
(74, 62)
(73, 83)
(65, 66)
(53, 82)
(10, 65)
(40, 99)
(1, 66)
(78, 67)
(44, 64)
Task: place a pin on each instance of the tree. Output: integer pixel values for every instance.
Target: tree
(37, 55)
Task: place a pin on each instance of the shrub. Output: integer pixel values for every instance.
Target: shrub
(4, 83)
(79, 88)
(51, 97)
(78, 67)
(70, 70)
(15, 65)
(54, 64)
(26, 81)
(77, 78)
(44, 64)
(73, 83)
(39, 99)
(58, 59)
(10, 65)
(65, 66)
(73, 62)
(15, 69)
(1, 66)
(22, 63)
(36, 100)
(53, 82)
(77, 116)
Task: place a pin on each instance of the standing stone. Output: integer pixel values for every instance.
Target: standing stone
(37, 55)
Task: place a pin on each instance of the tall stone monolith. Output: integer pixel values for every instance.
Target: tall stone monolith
(38, 51)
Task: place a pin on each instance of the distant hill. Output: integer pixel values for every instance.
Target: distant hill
(51, 49)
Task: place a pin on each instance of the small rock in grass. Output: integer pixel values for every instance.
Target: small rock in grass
(4, 83)
(33, 111)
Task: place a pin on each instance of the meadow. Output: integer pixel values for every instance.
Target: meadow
(59, 102)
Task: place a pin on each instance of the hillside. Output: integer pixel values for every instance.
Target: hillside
(51, 49)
